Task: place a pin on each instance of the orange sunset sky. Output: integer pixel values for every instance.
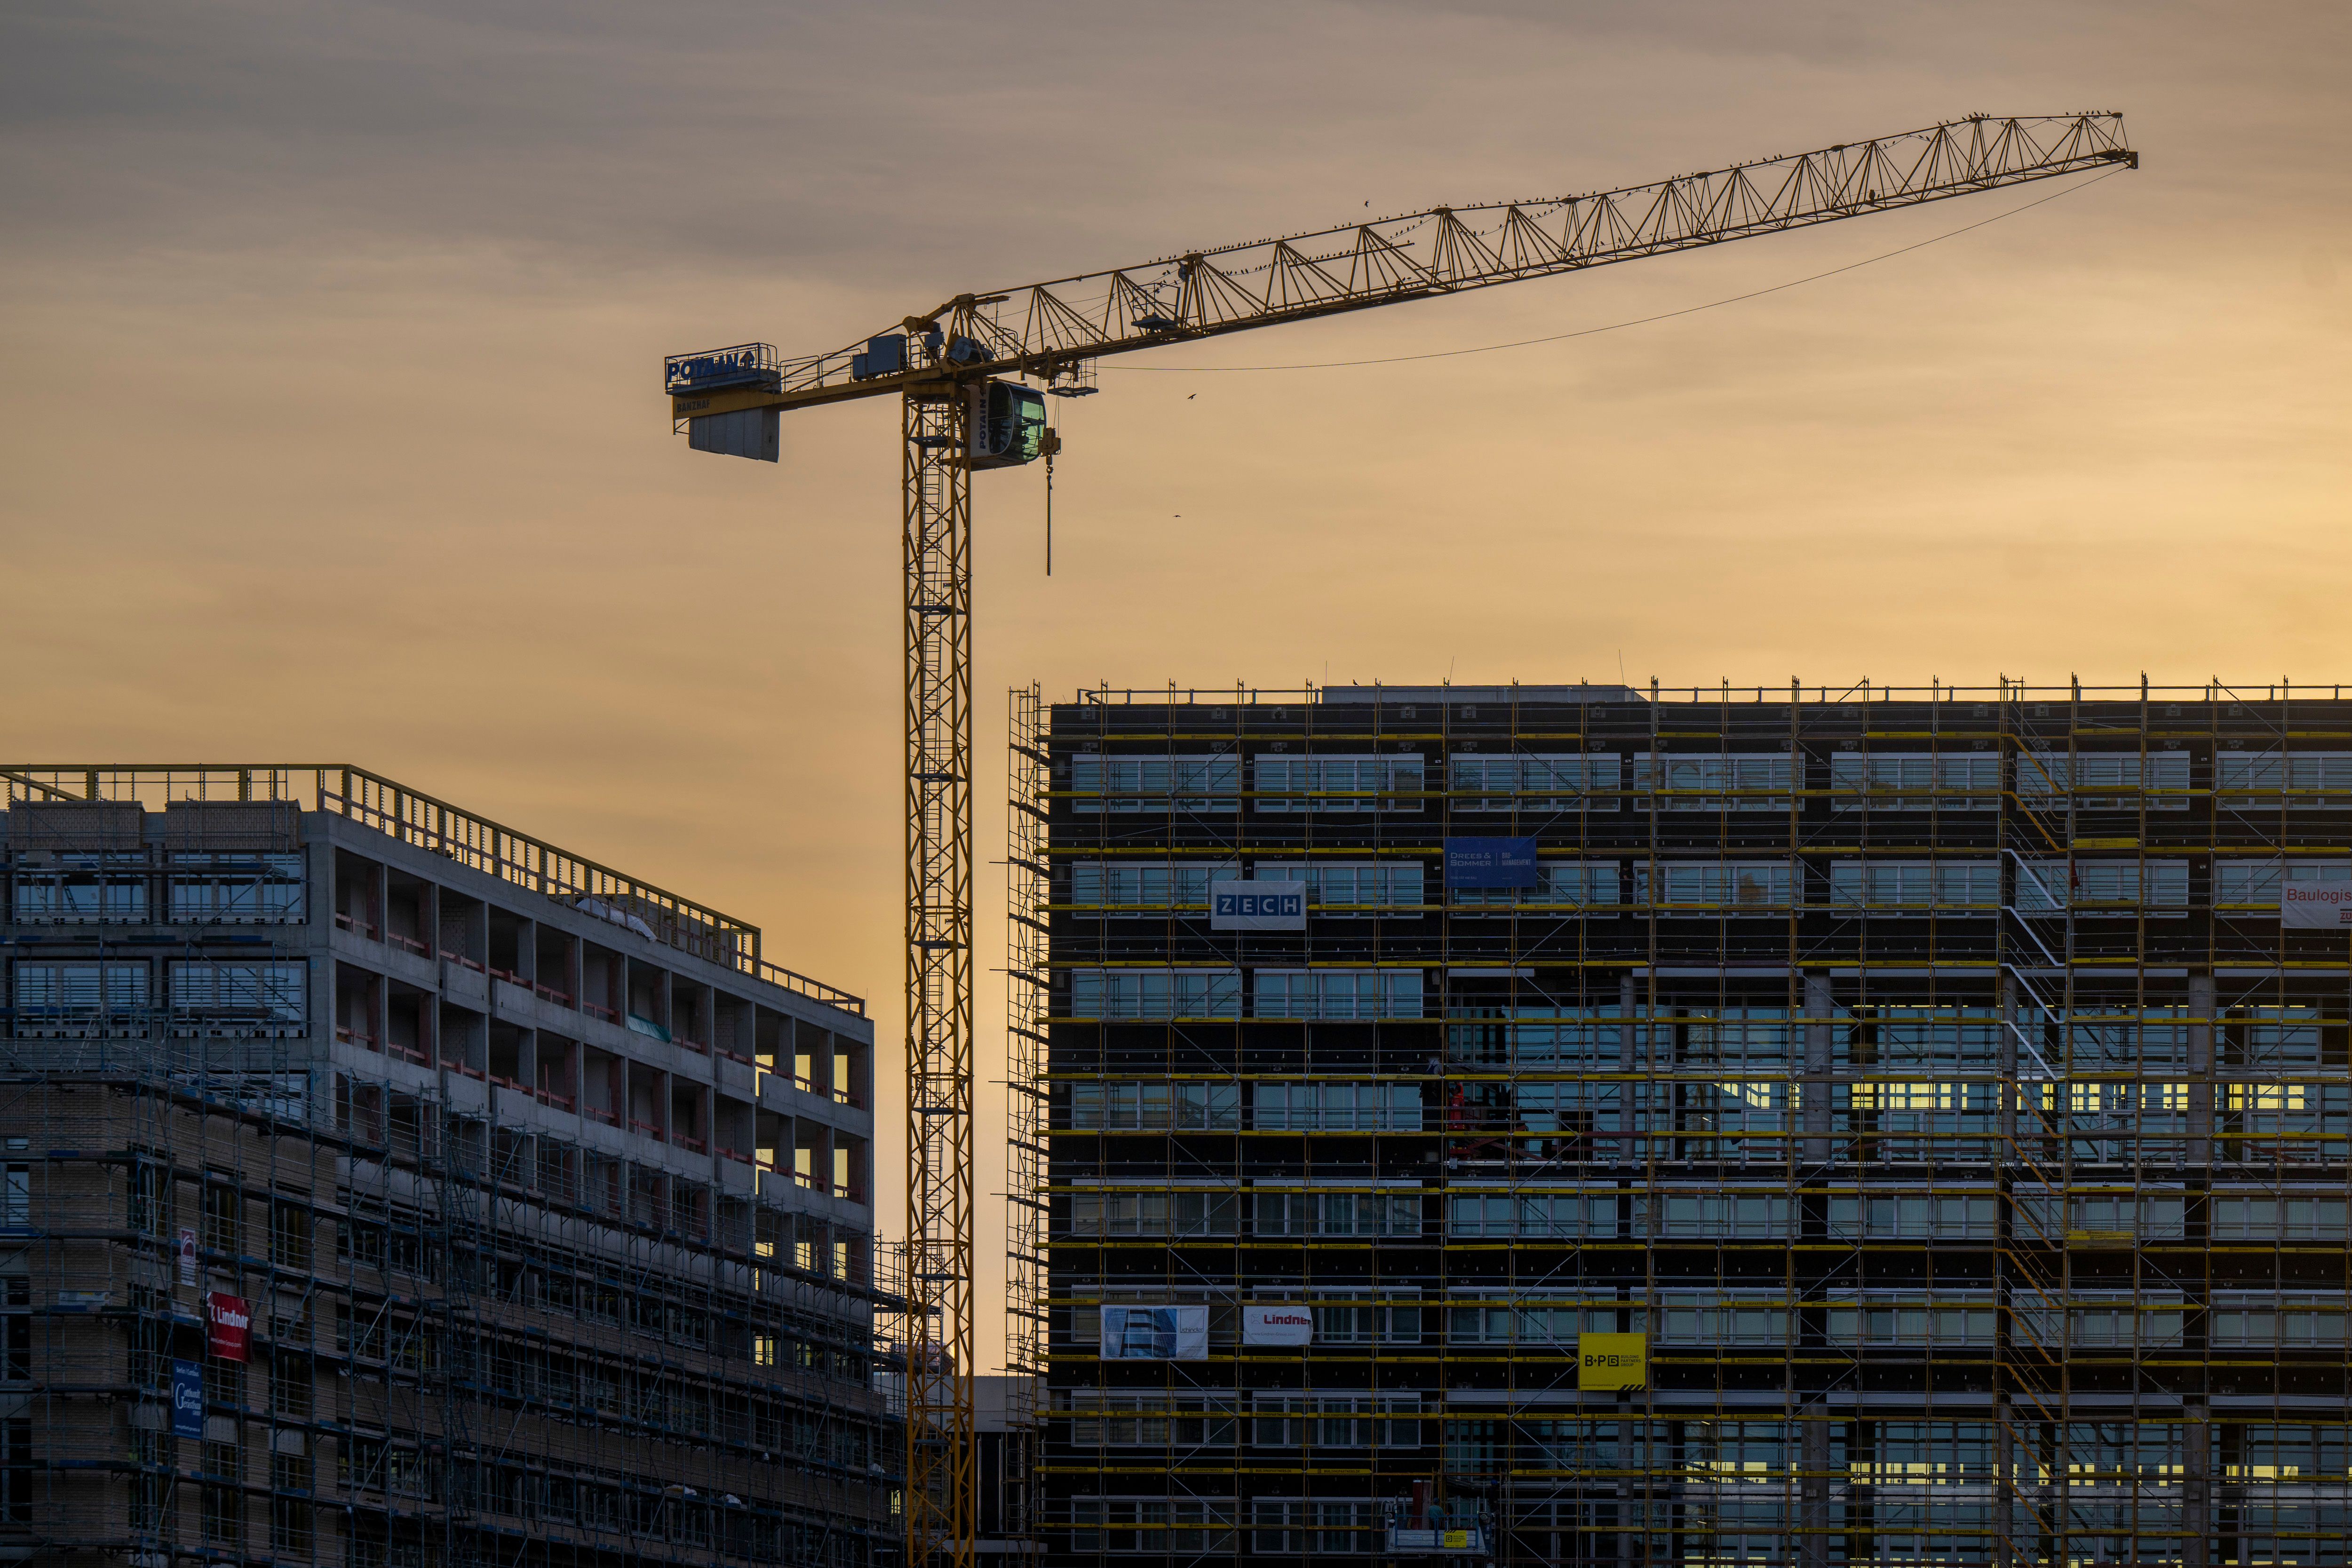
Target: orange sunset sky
(333, 425)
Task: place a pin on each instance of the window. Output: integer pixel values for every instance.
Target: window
(2150, 1217)
(2307, 1217)
(1361, 1323)
(289, 1235)
(1150, 1419)
(2257, 882)
(2104, 1322)
(151, 1198)
(1902, 885)
(2286, 1322)
(1928, 1452)
(1534, 1322)
(237, 889)
(1537, 782)
(1917, 781)
(1338, 1214)
(1337, 1107)
(1954, 1215)
(224, 1505)
(1753, 1036)
(1696, 780)
(1957, 1320)
(2102, 781)
(1896, 1037)
(1545, 1036)
(1169, 1214)
(1117, 1107)
(1152, 1524)
(1350, 1421)
(291, 1385)
(16, 1469)
(1336, 993)
(240, 998)
(2250, 781)
(1344, 889)
(1143, 884)
(1536, 1215)
(80, 998)
(1569, 884)
(17, 1196)
(156, 1456)
(1756, 1216)
(1285, 1528)
(1728, 886)
(1708, 1317)
(80, 888)
(223, 1205)
(2049, 884)
(1190, 784)
(1357, 783)
(1155, 993)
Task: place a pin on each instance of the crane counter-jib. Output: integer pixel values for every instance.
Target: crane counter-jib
(1045, 329)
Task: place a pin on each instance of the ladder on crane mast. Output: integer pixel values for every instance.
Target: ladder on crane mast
(959, 415)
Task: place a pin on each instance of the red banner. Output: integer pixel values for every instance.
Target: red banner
(230, 1324)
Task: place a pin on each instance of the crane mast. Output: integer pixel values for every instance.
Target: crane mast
(958, 414)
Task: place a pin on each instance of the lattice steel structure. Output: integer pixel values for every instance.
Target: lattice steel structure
(938, 976)
(1933, 1078)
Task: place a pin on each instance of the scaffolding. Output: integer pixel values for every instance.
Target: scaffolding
(1929, 1079)
(468, 1337)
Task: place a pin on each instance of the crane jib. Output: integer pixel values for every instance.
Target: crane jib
(1051, 330)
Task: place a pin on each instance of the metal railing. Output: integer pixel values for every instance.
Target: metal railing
(438, 828)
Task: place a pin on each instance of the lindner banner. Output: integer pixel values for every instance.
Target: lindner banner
(228, 1326)
(187, 1399)
(2315, 906)
(1155, 1333)
(1267, 1323)
(1490, 863)
(1257, 906)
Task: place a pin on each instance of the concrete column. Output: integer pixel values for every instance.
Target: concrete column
(2010, 1088)
(1821, 1039)
(2201, 1070)
(1629, 1000)
(1813, 1506)
(2197, 1487)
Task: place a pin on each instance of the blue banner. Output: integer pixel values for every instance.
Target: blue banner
(187, 1399)
(1490, 863)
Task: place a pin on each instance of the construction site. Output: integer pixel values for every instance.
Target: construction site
(388, 1188)
(1756, 1125)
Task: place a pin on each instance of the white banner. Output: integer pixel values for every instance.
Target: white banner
(2315, 906)
(1155, 1333)
(1257, 906)
(1277, 1325)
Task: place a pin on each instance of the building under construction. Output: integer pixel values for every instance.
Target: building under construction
(1590, 1125)
(386, 1188)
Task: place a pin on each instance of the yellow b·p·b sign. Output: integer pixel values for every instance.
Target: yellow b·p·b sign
(1613, 1361)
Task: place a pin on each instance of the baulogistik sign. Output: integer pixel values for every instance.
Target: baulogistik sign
(2315, 906)
(1257, 906)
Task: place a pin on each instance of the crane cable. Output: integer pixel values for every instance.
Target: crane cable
(1616, 326)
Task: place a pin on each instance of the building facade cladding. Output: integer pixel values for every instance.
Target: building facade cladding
(553, 1239)
(1928, 1077)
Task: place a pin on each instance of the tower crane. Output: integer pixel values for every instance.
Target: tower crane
(959, 371)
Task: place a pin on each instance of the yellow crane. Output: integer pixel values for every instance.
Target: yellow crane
(952, 368)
